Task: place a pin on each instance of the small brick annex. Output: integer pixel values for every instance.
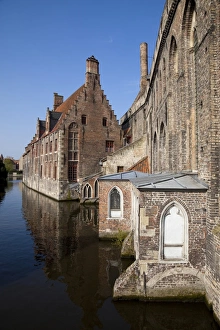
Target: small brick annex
(164, 268)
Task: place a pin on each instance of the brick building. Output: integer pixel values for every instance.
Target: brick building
(67, 148)
(174, 122)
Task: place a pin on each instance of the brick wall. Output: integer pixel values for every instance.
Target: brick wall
(111, 226)
(181, 110)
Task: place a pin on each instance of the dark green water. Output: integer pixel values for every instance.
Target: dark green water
(56, 274)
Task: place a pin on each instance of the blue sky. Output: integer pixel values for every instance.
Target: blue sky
(44, 47)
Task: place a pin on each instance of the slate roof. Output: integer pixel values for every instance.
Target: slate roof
(124, 175)
(54, 117)
(160, 181)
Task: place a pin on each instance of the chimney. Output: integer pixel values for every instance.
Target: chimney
(144, 65)
(57, 100)
(92, 69)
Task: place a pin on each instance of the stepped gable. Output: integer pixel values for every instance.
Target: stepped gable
(66, 106)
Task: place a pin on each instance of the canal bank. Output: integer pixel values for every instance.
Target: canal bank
(55, 273)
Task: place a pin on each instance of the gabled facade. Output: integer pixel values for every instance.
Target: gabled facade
(69, 144)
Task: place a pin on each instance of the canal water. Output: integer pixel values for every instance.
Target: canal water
(56, 274)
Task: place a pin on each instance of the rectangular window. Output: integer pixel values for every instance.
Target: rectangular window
(75, 139)
(109, 146)
(49, 170)
(45, 170)
(104, 121)
(120, 169)
(84, 120)
(55, 171)
(70, 145)
(72, 155)
(55, 145)
(72, 171)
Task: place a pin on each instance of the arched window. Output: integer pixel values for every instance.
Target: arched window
(173, 56)
(96, 188)
(188, 59)
(87, 191)
(115, 203)
(189, 22)
(162, 144)
(174, 233)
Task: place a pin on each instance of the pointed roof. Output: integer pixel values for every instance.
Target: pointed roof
(66, 106)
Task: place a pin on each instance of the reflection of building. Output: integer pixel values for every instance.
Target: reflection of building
(66, 243)
(173, 212)
(68, 146)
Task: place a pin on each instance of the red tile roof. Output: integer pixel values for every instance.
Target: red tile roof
(66, 106)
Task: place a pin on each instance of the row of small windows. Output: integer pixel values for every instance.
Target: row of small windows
(48, 170)
(46, 148)
(173, 226)
(84, 120)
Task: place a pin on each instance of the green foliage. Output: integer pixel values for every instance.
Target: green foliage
(119, 237)
(9, 164)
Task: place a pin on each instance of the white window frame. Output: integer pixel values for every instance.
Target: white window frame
(86, 190)
(115, 213)
(174, 245)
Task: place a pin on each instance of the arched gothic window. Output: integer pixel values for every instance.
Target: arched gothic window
(189, 22)
(96, 188)
(174, 233)
(173, 56)
(115, 203)
(87, 191)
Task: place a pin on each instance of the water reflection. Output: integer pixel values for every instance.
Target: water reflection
(66, 246)
(66, 241)
(2, 195)
(166, 316)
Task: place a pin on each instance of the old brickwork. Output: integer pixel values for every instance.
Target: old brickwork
(125, 157)
(70, 143)
(154, 203)
(177, 112)
(110, 228)
(164, 280)
(174, 109)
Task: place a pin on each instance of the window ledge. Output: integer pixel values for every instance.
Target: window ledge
(173, 261)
